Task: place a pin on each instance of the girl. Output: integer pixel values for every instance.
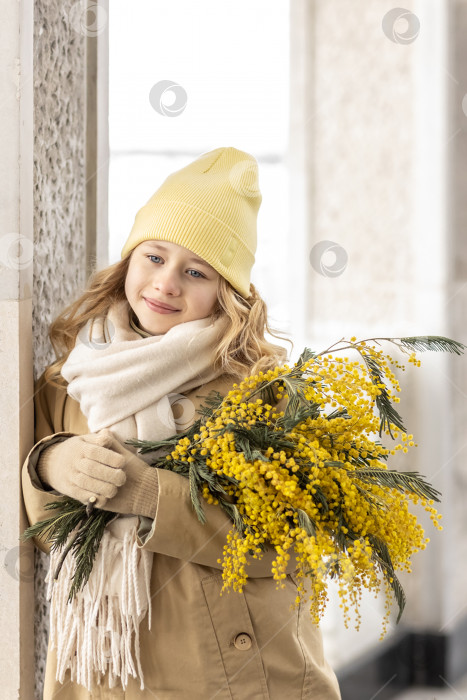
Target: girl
(138, 353)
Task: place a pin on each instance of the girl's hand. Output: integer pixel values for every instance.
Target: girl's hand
(84, 466)
(139, 494)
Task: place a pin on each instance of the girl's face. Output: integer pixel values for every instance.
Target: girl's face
(171, 275)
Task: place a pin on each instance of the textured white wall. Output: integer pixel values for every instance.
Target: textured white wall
(59, 205)
(59, 167)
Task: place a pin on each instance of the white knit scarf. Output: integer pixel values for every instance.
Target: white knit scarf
(127, 384)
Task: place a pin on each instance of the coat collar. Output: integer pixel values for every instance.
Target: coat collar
(134, 324)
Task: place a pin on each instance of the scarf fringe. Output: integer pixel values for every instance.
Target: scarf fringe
(93, 634)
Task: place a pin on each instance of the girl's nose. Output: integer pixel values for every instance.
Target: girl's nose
(167, 281)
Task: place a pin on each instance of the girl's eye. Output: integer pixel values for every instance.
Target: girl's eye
(197, 276)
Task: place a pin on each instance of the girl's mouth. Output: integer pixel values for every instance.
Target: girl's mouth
(160, 309)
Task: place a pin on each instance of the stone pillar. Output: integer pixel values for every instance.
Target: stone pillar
(53, 172)
(377, 236)
(454, 570)
(16, 380)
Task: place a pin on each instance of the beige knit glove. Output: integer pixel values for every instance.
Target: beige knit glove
(97, 464)
(139, 494)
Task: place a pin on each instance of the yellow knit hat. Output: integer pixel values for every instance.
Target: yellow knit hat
(210, 207)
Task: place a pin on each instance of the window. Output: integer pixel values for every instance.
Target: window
(232, 61)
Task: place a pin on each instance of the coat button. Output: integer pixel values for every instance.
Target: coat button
(242, 641)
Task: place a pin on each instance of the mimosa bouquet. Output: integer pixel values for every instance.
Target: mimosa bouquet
(311, 481)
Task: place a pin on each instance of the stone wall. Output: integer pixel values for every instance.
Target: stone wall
(59, 205)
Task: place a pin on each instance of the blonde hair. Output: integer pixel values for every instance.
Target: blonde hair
(243, 349)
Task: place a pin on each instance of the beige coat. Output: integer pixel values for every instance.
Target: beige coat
(238, 646)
